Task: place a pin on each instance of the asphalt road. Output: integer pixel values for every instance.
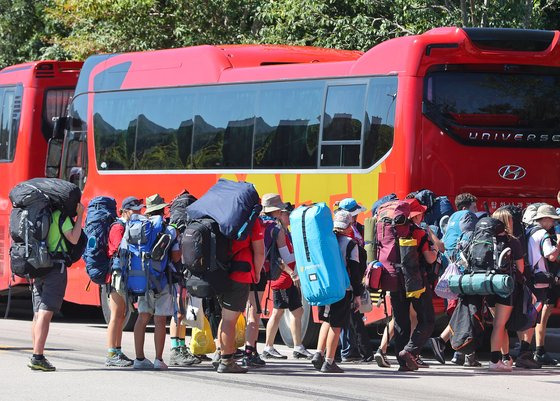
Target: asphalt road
(77, 349)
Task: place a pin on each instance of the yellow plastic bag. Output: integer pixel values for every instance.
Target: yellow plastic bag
(202, 341)
(240, 331)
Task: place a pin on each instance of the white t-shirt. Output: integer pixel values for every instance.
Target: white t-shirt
(536, 259)
(343, 242)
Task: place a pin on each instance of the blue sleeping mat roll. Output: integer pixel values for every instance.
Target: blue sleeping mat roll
(320, 266)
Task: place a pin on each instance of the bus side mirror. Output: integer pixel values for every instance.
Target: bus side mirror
(59, 125)
(54, 157)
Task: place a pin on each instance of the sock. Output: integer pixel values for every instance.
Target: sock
(330, 361)
(140, 359)
(506, 357)
(39, 356)
(268, 349)
(182, 342)
(249, 350)
(525, 346)
(540, 350)
(227, 358)
(321, 352)
(299, 348)
(174, 342)
(495, 356)
(118, 350)
(112, 351)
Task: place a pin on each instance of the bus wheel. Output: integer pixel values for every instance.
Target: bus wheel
(309, 329)
(131, 313)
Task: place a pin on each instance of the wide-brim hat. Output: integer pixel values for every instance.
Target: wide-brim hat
(546, 211)
(155, 202)
(352, 206)
(416, 208)
(272, 202)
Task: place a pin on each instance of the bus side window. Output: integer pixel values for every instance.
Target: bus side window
(9, 123)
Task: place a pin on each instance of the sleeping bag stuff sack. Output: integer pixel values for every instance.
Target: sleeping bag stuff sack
(321, 269)
(482, 284)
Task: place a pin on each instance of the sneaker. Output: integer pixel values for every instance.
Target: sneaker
(178, 358)
(239, 354)
(271, 353)
(190, 357)
(216, 359)
(202, 358)
(351, 358)
(508, 362)
(302, 354)
(230, 367)
(525, 360)
(118, 360)
(367, 359)
(438, 349)
(420, 362)
(159, 365)
(161, 246)
(41, 364)
(472, 361)
(404, 368)
(458, 358)
(123, 356)
(144, 364)
(253, 361)
(545, 359)
(317, 360)
(331, 368)
(381, 359)
(499, 367)
(409, 359)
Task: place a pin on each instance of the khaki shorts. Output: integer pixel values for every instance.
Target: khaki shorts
(160, 304)
(117, 284)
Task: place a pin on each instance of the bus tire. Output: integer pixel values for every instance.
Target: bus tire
(131, 313)
(309, 329)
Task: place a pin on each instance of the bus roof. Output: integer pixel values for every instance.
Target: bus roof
(30, 74)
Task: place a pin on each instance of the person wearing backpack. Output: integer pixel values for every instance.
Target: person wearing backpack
(543, 253)
(48, 290)
(117, 291)
(158, 303)
(500, 360)
(280, 264)
(407, 345)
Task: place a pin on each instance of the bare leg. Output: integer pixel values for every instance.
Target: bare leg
(115, 327)
(332, 341)
(227, 331)
(501, 316)
(446, 334)
(295, 326)
(41, 325)
(252, 330)
(323, 334)
(272, 326)
(413, 319)
(387, 335)
(140, 333)
(160, 333)
(540, 330)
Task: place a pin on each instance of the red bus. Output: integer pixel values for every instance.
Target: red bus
(452, 110)
(31, 95)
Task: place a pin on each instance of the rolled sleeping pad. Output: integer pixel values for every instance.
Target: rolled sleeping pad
(369, 226)
(482, 284)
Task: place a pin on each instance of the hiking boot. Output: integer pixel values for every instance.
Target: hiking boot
(161, 246)
(159, 365)
(271, 353)
(144, 364)
(118, 360)
(41, 364)
(178, 358)
(230, 367)
(216, 359)
(381, 359)
(331, 368)
(545, 359)
(409, 359)
(351, 358)
(317, 360)
(190, 357)
(420, 362)
(253, 361)
(458, 358)
(472, 361)
(124, 357)
(438, 349)
(525, 360)
(499, 367)
(302, 354)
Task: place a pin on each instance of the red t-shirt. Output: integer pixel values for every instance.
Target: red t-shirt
(116, 234)
(242, 252)
(418, 234)
(285, 281)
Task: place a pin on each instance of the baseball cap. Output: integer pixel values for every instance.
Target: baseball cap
(342, 219)
(132, 203)
(350, 205)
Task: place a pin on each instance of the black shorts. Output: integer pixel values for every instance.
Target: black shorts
(548, 296)
(338, 313)
(289, 298)
(48, 291)
(235, 297)
(492, 300)
(261, 285)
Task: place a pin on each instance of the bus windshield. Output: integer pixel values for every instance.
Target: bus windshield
(508, 108)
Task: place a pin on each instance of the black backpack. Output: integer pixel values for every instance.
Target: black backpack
(206, 255)
(486, 251)
(178, 210)
(467, 325)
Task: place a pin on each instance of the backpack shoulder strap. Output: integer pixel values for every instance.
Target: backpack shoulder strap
(349, 248)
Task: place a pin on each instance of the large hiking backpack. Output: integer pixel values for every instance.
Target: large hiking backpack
(392, 224)
(101, 215)
(441, 207)
(272, 262)
(488, 251)
(323, 276)
(454, 229)
(233, 205)
(142, 270)
(467, 325)
(206, 254)
(178, 210)
(540, 279)
(369, 227)
(380, 202)
(63, 195)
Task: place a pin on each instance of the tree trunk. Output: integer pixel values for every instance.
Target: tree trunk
(464, 16)
(484, 19)
(473, 13)
(528, 12)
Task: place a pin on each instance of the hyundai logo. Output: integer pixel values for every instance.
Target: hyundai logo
(512, 172)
